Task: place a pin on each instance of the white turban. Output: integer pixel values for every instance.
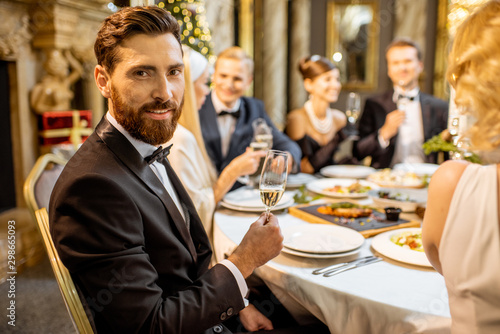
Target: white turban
(197, 63)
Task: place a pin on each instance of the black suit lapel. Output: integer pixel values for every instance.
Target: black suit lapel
(127, 153)
(198, 233)
(388, 103)
(240, 135)
(426, 116)
(210, 131)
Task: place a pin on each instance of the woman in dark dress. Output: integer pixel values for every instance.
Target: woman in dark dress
(316, 127)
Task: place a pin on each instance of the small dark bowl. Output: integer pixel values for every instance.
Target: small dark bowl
(392, 214)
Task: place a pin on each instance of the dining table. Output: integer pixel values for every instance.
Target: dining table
(389, 296)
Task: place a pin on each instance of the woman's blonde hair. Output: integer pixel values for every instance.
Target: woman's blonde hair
(474, 72)
(190, 119)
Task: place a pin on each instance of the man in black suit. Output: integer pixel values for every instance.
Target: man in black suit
(120, 219)
(226, 116)
(395, 124)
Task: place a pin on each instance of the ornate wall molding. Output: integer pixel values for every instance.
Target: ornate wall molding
(27, 29)
(14, 31)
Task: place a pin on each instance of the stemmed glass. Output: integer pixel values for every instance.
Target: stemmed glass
(353, 110)
(262, 141)
(273, 178)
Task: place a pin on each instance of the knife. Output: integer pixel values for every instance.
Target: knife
(362, 263)
(339, 265)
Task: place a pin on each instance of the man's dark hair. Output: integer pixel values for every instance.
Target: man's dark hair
(404, 41)
(126, 23)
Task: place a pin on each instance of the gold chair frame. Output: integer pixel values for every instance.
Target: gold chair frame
(38, 169)
(63, 277)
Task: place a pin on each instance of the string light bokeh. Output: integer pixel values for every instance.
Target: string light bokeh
(191, 15)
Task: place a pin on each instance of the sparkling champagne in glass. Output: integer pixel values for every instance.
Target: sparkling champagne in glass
(273, 178)
(353, 107)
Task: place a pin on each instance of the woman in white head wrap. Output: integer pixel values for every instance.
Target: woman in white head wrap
(189, 157)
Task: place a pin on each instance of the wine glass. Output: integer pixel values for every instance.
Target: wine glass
(273, 178)
(262, 141)
(353, 110)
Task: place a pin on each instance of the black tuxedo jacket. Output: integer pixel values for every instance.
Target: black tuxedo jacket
(434, 118)
(250, 110)
(137, 266)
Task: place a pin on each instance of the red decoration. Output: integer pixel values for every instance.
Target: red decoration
(65, 127)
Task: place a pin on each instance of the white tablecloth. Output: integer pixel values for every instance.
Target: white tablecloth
(385, 297)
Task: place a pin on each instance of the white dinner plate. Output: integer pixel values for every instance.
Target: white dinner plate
(421, 169)
(409, 200)
(321, 239)
(250, 198)
(299, 179)
(382, 243)
(320, 185)
(319, 256)
(347, 171)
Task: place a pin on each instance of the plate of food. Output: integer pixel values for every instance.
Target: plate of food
(321, 239)
(406, 199)
(347, 171)
(342, 188)
(397, 179)
(403, 245)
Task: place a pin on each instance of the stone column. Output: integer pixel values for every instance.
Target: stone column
(412, 26)
(300, 47)
(274, 59)
(220, 17)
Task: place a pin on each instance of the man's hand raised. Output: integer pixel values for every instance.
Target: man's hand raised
(393, 121)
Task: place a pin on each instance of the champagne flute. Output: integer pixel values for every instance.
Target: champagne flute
(273, 178)
(353, 107)
(353, 110)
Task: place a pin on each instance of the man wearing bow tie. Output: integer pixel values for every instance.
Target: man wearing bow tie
(395, 124)
(120, 218)
(226, 116)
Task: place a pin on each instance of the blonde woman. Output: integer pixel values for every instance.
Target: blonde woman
(188, 155)
(461, 232)
(316, 127)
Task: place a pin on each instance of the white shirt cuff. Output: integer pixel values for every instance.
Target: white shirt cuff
(238, 276)
(383, 143)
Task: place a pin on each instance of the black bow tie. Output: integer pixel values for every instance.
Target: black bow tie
(158, 155)
(235, 114)
(411, 98)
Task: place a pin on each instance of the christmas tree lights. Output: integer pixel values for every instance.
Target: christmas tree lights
(194, 27)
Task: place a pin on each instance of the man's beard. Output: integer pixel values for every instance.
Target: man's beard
(140, 126)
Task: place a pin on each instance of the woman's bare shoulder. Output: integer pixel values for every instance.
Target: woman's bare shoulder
(448, 174)
(296, 124)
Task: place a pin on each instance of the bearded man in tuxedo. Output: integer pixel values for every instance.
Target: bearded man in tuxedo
(120, 218)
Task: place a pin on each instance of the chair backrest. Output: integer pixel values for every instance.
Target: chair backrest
(41, 180)
(63, 277)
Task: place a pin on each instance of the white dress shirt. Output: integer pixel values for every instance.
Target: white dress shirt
(159, 169)
(411, 132)
(226, 123)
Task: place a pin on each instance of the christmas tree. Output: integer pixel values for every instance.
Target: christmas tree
(191, 16)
